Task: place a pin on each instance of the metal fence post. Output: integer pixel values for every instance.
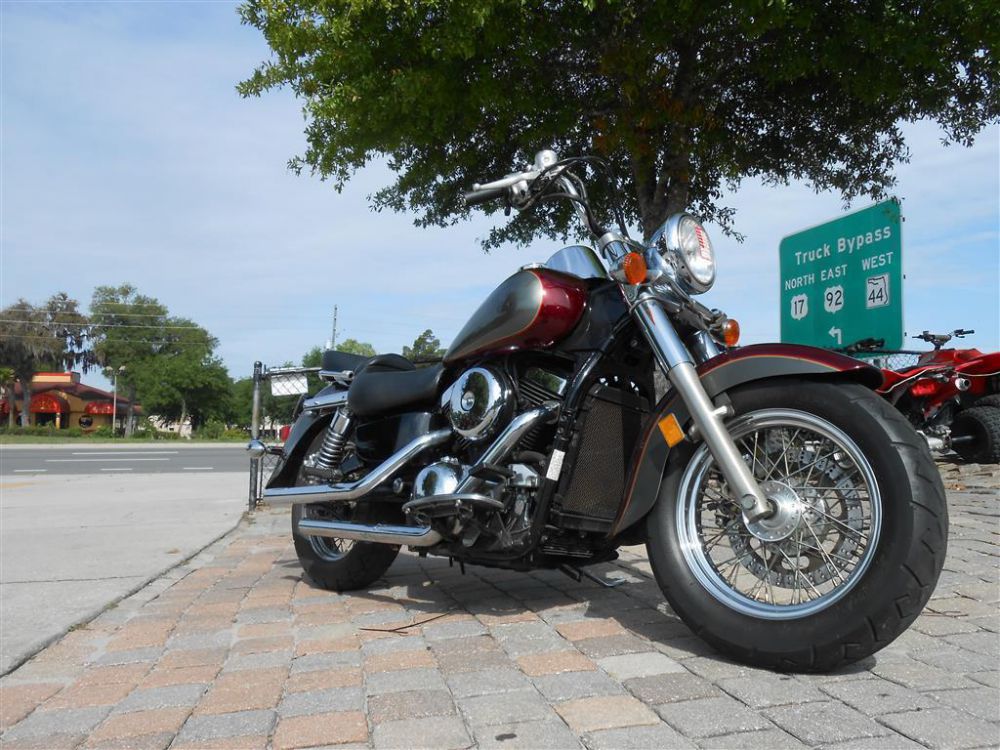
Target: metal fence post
(255, 463)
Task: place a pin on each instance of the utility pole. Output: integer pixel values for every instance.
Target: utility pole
(333, 339)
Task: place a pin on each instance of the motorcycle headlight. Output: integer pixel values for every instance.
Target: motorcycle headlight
(683, 242)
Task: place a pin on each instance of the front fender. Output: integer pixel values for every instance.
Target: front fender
(718, 375)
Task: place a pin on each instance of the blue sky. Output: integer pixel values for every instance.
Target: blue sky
(128, 156)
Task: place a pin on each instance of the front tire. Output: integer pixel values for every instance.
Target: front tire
(847, 563)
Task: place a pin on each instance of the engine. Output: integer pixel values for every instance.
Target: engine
(481, 401)
(486, 502)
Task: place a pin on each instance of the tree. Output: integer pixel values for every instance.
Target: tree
(35, 338)
(426, 348)
(182, 379)
(688, 97)
(7, 380)
(126, 329)
(353, 346)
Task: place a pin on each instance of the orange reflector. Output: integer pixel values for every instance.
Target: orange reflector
(634, 266)
(671, 430)
(731, 332)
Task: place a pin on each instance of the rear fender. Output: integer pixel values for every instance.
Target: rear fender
(299, 439)
(718, 375)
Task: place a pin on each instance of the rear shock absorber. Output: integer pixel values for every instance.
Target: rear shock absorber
(332, 451)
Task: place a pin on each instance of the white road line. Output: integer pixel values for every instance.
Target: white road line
(118, 468)
(198, 468)
(123, 453)
(29, 471)
(101, 460)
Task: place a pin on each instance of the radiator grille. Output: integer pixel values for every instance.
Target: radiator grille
(601, 452)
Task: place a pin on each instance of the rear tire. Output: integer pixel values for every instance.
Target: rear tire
(991, 400)
(347, 568)
(975, 433)
(897, 562)
(336, 564)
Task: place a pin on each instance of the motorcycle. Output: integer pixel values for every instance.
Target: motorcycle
(951, 396)
(793, 518)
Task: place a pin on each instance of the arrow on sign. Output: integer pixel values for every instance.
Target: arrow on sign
(836, 333)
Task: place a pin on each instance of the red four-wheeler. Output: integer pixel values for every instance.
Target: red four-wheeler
(952, 396)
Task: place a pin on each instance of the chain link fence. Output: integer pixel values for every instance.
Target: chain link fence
(890, 360)
(283, 383)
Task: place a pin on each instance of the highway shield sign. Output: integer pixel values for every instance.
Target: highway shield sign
(843, 281)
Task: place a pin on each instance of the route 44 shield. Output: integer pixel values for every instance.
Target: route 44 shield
(843, 281)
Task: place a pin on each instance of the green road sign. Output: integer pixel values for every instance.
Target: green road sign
(843, 281)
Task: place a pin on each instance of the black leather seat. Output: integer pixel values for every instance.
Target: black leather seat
(390, 383)
(340, 361)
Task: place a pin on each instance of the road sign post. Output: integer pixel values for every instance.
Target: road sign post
(843, 281)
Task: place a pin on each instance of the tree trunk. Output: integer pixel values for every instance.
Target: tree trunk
(26, 420)
(11, 406)
(131, 408)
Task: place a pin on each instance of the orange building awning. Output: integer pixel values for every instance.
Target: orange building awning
(99, 407)
(48, 403)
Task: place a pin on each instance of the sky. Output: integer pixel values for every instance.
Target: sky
(127, 155)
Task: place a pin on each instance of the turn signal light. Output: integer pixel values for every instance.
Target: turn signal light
(634, 266)
(731, 332)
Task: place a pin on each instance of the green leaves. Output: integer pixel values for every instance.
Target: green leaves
(685, 96)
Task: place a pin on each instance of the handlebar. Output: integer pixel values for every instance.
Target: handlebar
(480, 195)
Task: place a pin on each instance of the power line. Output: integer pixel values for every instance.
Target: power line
(192, 327)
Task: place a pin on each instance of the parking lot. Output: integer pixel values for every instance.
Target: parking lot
(236, 649)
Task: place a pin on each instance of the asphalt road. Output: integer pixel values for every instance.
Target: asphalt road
(145, 458)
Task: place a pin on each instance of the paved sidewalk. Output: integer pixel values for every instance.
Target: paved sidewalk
(71, 545)
(236, 650)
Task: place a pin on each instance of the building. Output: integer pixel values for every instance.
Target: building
(61, 400)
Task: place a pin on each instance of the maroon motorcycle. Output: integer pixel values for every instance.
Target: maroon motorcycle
(793, 518)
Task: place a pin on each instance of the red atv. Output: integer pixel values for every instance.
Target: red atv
(952, 396)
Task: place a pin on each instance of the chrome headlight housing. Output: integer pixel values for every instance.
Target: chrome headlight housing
(683, 243)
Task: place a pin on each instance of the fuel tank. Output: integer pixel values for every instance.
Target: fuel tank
(533, 309)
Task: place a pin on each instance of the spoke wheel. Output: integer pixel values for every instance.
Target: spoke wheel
(823, 532)
(326, 548)
(850, 554)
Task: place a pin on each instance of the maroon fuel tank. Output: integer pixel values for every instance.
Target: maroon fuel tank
(533, 309)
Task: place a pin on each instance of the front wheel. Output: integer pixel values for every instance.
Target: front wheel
(849, 556)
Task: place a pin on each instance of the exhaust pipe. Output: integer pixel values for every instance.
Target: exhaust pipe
(354, 490)
(413, 536)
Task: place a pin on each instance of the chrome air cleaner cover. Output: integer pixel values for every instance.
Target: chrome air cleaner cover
(479, 400)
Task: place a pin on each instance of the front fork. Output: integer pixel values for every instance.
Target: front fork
(676, 362)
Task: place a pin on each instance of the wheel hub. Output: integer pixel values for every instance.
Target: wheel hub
(788, 509)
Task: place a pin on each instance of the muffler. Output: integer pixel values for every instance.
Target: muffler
(413, 536)
(325, 493)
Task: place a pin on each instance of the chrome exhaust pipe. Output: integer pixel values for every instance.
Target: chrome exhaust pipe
(354, 490)
(519, 426)
(413, 536)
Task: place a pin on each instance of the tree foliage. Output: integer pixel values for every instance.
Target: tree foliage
(687, 97)
(426, 348)
(45, 337)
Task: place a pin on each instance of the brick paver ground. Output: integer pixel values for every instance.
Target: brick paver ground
(236, 650)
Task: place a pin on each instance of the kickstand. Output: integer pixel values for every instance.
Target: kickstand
(578, 574)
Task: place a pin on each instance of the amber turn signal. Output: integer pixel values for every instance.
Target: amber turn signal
(634, 266)
(731, 332)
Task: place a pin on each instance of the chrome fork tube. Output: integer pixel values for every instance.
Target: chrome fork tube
(676, 362)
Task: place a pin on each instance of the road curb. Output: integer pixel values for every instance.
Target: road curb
(98, 611)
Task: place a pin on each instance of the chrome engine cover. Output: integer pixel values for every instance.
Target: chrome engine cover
(479, 401)
(440, 478)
